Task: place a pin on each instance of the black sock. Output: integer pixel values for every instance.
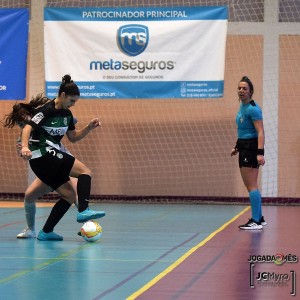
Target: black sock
(57, 212)
(83, 191)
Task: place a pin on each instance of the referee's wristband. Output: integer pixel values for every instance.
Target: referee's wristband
(260, 152)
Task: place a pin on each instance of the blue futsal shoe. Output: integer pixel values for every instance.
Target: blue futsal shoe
(51, 236)
(89, 214)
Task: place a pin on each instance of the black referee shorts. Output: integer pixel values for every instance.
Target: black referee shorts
(53, 168)
(247, 153)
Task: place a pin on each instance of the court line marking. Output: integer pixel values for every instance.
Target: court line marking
(183, 257)
(83, 259)
(43, 265)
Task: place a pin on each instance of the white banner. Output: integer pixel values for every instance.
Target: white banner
(149, 52)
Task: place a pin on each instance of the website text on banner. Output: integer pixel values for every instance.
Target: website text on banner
(13, 53)
(149, 52)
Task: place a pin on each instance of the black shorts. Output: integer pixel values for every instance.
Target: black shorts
(247, 153)
(53, 168)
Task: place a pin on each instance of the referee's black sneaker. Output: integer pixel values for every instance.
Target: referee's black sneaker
(262, 221)
(251, 225)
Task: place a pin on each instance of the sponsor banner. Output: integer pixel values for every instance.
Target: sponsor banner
(13, 53)
(176, 52)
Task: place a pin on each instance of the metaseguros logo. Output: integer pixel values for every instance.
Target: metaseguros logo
(132, 40)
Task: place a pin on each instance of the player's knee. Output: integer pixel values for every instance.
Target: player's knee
(72, 195)
(88, 171)
(29, 197)
(67, 192)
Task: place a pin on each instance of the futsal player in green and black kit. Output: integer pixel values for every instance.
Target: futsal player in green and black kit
(20, 114)
(54, 167)
(250, 146)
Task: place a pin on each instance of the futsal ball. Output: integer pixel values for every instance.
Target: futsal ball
(91, 231)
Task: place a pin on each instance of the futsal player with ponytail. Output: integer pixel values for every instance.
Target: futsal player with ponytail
(20, 115)
(250, 147)
(51, 165)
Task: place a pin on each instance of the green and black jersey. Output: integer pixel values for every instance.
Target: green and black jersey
(49, 127)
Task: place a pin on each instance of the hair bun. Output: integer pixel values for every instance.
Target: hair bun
(245, 78)
(67, 79)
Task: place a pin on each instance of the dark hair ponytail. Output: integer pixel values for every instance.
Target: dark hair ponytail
(251, 88)
(68, 86)
(22, 112)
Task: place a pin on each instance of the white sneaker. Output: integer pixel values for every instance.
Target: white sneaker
(26, 233)
(251, 225)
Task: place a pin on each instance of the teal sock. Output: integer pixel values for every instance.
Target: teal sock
(260, 211)
(255, 200)
(30, 210)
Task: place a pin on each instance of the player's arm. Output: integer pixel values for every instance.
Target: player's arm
(234, 151)
(259, 126)
(76, 135)
(26, 132)
(19, 144)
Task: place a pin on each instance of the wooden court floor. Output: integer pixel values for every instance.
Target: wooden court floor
(155, 252)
